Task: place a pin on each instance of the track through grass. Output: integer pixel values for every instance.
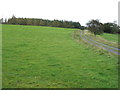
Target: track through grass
(48, 57)
(98, 44)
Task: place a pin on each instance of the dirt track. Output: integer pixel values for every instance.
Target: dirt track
(98, 44)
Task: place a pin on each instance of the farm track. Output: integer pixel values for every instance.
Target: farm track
(100, 45)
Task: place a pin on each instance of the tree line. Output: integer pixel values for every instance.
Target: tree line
(96, 27)
(43, 22)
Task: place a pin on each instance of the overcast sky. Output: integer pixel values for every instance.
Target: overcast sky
(71, 10)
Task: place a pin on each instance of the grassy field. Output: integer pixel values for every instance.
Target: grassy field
(110, 40)
(111, 37)
(48, 57)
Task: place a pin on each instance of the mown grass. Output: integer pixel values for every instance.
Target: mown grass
(111, 37)
(48, 57)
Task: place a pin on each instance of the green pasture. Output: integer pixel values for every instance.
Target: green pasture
(111, 37)
(48, 57)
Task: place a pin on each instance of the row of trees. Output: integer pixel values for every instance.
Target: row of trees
(97, 27)
(43, 22)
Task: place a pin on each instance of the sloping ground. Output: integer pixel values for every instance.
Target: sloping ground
(48, 57)
(99, 44)
(106, 41)
(111, 37)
